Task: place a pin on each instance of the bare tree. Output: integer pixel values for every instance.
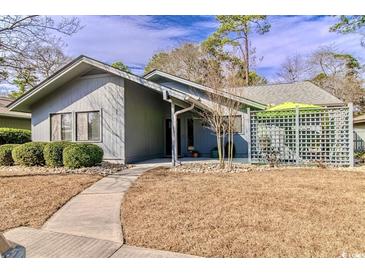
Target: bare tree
(293, 69)
(48, 59)
(221, 113)
(40, 63)
(21, 35)
(232, 111)
(338, 73)
(213, 114)
(187, 61)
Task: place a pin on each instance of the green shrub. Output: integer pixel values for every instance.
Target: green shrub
(14, 136)
(82, 155)
(96, 152)
(6, 159)
(29, 154)
(53, 153)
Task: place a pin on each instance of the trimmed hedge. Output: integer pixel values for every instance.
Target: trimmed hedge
(53, 153)
(14, 136)
(29, 154)
(6, 159)
(82, 155)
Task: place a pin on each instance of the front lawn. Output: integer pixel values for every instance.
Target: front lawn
(29, 198)
(272, 213)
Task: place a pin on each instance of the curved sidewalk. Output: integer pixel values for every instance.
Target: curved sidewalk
(89, 224)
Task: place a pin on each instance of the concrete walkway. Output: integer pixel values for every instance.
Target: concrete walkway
(89, 224)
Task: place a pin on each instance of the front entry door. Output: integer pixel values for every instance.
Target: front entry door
(168, 137)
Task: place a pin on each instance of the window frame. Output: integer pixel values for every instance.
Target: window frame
(50, 125)
(100, 127)
(241, 132)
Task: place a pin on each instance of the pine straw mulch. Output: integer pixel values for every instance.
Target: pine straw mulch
(30, 198)
(273, 213)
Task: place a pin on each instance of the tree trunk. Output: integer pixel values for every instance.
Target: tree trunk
(247, 70)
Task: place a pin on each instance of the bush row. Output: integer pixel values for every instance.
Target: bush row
(14, 136)
(54, 154)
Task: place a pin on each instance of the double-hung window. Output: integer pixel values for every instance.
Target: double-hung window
(88, 126)
(61, 127)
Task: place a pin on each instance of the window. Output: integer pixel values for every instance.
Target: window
(61, 127)
(88, 126)
(237, 123)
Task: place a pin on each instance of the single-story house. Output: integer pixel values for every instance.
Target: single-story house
(134, 118)
(12, 119)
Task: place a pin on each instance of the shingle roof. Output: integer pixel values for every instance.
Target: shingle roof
(4, 111)
(299, 92)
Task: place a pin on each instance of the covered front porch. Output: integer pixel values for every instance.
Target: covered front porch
(168, 125)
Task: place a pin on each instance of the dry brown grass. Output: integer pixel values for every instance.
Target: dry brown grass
(277, 213)
(30, 199)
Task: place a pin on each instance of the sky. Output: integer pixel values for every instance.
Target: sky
(134, 39)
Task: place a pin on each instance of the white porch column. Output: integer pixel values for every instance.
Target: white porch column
(173, 135)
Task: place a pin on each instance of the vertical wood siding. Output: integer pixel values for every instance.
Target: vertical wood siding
(10, 122)
(100, 92)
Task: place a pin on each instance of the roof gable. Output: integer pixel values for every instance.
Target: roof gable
(4, 111)
(81, 66)
(155, 75)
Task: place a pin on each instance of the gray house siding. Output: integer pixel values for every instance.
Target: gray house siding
(145, 110)
(89, 93)
(204, 139)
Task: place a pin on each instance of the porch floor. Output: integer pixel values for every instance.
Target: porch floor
(189, 160)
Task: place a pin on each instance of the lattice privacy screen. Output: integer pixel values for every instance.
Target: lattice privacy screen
(303, 136)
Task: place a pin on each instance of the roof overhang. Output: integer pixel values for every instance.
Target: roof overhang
(155, 74)
(77, 67)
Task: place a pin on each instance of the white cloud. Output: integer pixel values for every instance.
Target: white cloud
(131, 39)
(302, 35)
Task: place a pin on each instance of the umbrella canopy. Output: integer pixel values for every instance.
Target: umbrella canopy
(291, 106)
(287, 109)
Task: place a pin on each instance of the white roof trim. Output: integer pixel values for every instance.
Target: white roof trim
(16, 115)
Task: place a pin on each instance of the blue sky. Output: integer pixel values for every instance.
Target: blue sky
(134, 39)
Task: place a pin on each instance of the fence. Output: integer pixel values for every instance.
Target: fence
(303, 136)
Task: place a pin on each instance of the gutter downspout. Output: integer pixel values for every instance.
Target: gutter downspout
(174, 138)
(174, 150)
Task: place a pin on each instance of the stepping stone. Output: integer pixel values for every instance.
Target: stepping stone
(127, 251)
(46, 244)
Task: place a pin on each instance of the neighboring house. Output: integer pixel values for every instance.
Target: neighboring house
(12, 119)
(130, 116)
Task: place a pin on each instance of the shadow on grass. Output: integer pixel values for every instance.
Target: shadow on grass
(37, 174)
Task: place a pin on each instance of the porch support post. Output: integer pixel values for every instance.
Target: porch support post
(173, 134)
(297, 151)
(351, 133)
(248, 135)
